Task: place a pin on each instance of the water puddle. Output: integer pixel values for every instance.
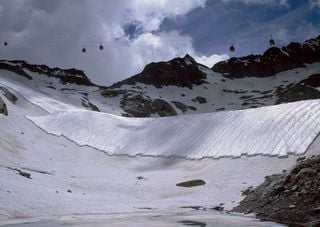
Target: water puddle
(199, 219)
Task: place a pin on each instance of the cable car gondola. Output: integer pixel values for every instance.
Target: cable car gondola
(232, 49)
(100, 46)
(271, 41)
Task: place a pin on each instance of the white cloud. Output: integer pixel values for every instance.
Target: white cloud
(261, 2)
(164, 46)
(150, 13)
(315, 3)
(53, 33)
(211, 60)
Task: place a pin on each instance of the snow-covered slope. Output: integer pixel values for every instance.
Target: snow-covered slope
(68, 179)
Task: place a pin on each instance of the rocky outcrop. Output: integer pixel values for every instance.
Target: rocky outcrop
(139, 106)
(180, 72)
(304, 90)
(290, 197)
(199, 99)
(73, 76)
(312, 81)
(15, 69)
(86, 103)
(296, 92)
(3, 107)
(180, 106)
(9, 95)
(110, 93)
(273, 61)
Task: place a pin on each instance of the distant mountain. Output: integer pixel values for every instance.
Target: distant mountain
(183, 86)
(180, 72)
(273, 61)
(22, 68)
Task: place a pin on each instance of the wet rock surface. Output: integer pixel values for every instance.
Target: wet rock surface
(290, 197)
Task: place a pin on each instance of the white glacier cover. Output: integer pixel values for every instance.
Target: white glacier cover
(275, 130)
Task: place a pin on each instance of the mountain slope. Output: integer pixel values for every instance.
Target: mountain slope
(182, 86)
(71, 178)
(60, 156)
(273, 61)
(280, 75)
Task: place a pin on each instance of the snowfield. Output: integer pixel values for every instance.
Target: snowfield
(64, 149)
(275, 130)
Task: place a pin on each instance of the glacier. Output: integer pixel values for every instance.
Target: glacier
(275, 130)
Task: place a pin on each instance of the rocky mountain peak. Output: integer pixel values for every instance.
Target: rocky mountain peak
(180, 72)
(189, 60)
(273, 61)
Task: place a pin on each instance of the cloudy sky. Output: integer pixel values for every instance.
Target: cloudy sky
(137, 32)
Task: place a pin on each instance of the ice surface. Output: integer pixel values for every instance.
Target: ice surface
(275, 130)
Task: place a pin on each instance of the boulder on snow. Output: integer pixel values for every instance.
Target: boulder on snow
(199, 99)
(192, 183)
(180, 106)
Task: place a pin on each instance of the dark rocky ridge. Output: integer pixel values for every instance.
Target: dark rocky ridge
(9, 95)
(273, 61)
(291, 198)
(73, 76)
(3, 107)
(180, 72)
(18, 70)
